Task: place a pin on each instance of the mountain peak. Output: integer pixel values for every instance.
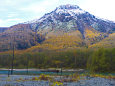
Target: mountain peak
(68, 6)
(71, 9)
(70, 17)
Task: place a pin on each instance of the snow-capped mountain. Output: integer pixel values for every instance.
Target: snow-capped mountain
(70, 17)
(66, 26)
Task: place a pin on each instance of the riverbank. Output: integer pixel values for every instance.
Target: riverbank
(35, 80)
(40, 71)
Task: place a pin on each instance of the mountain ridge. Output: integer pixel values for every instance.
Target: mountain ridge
(67, 26)
(63, 16)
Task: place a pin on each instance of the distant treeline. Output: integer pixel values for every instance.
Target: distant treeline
(101, 60)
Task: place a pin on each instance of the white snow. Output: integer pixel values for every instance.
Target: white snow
(70, 11)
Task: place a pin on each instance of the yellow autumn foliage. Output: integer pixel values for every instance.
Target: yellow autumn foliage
(92, 36)
(108, 42)
(65, 40)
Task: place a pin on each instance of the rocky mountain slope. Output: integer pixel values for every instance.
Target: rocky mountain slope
(2, 29)
(21, 36)
(68, 26)
(71, 17)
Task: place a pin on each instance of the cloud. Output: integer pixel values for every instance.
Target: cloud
(4, 23)
(1, 21)
(15, 19)
(11, 15)
(101, 8)
(12, 2)
(38, 7)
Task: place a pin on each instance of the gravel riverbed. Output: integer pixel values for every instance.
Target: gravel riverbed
(26, 80)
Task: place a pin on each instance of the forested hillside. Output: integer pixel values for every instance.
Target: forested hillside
(101, 60)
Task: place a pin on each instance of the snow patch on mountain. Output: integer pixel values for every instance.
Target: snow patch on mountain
(70, 11)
